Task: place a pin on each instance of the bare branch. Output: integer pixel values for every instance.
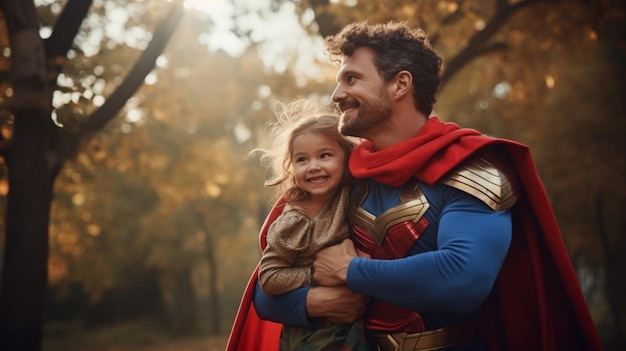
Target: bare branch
(325, 20)
(66, 27)
(478, 45)
(135, 78)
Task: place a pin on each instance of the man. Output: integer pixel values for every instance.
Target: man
(462, 249)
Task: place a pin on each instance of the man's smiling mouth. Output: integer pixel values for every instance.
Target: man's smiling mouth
(347, 105)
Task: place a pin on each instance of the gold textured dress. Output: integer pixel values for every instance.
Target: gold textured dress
(292, 241)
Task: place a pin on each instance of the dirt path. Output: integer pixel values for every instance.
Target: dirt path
(191, 344)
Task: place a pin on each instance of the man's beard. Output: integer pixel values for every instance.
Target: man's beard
(369, 116)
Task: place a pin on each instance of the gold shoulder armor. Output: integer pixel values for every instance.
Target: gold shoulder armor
(488, 178)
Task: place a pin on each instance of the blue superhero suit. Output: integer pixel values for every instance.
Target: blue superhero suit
(439, 283)
(420, 192)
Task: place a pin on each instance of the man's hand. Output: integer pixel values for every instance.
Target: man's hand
(337, 304)
(330, 267)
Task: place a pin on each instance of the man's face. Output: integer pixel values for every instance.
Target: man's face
(361, 95)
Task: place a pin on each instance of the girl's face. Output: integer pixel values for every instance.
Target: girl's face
(318, 165)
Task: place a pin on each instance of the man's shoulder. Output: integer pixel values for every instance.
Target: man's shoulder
(487, 175)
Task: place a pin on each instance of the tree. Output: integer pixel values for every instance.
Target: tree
(190, 145)
(35, 150)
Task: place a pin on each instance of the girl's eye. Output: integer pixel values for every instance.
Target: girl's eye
(300, 159)
(325, 155)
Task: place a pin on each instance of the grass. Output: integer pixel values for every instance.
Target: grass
(132, 336)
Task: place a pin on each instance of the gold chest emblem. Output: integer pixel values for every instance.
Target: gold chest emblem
(413, 205)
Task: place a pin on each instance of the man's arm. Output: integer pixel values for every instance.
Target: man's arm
(472, 243)
(304, 307)
(289, 308)
(336, 303)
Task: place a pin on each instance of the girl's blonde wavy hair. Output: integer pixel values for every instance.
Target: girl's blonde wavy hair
(293, 119)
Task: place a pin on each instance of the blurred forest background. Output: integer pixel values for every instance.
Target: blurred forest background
(131, 208)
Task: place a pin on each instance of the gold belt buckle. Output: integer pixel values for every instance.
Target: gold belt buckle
(437, 339)
(393, 344)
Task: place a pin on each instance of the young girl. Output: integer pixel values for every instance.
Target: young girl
(309, 164)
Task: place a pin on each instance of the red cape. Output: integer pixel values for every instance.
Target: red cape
(536, 303)
(249, 332)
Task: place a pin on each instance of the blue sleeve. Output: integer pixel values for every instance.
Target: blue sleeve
(288, 308)
(472, 242)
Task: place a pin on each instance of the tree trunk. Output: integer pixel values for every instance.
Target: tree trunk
(214, 299)
(26, 243)
(33, 160)
(184, 316)
(612, 279)
(30, 186)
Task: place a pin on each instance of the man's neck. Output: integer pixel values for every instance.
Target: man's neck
(398, 128)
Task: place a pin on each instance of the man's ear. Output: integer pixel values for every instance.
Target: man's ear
(402, 84)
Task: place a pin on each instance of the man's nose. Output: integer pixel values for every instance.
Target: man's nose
(338, 94)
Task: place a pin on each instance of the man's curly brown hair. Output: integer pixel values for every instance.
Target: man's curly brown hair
(398, 48)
